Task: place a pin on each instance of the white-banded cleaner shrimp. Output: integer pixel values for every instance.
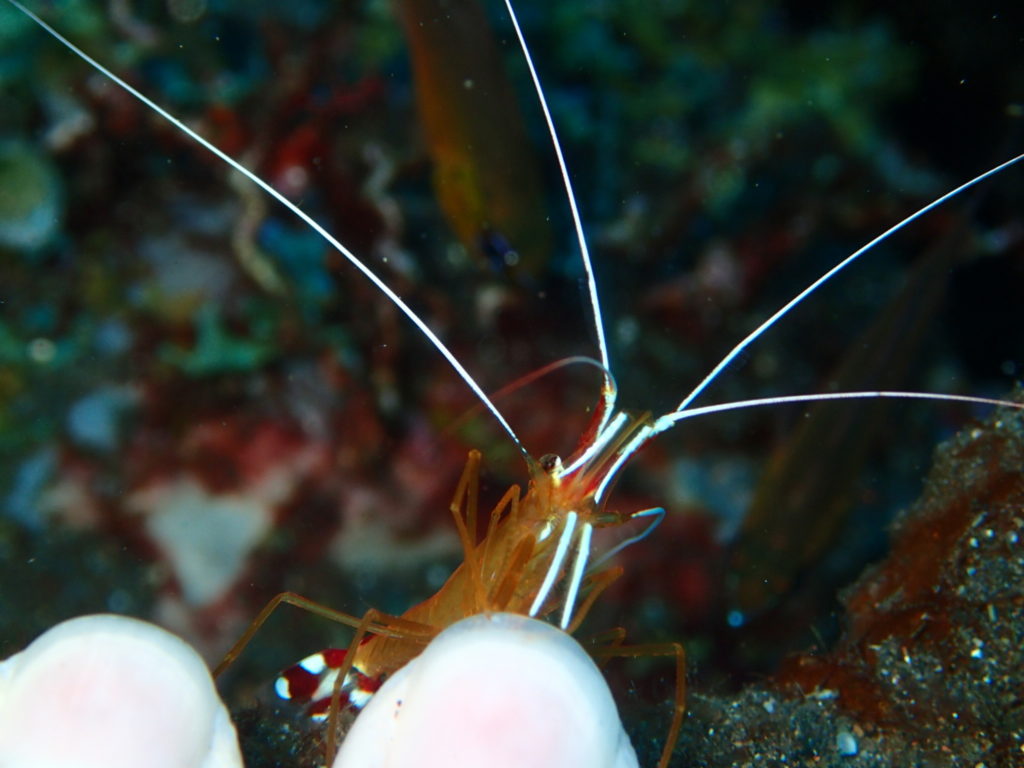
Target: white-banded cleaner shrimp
(650, 335)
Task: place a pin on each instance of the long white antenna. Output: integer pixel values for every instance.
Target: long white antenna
(337, 245)
(588, 267)
(669, 420)
(750, 338)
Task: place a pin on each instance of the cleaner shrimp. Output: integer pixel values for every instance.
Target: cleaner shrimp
(622, 332)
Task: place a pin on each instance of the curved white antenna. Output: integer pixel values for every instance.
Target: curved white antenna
(753, 335)
(669, 420)
(588, 266)
(642, 435)
(601, 439)
(327, 236)
(658, 513)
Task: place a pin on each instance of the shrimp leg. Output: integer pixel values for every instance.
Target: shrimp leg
(657, 649)
(381, 624)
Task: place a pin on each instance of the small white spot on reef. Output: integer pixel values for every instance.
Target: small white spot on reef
(846, 743)
(977, 653)
(42, 350)
(824, 694)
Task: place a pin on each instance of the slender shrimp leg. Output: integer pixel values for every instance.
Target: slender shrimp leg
(373, 622)
(679, 699)
(379, 624)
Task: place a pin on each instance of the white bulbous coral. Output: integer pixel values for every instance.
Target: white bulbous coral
(494, 689)
(108, 691)
(500, 690)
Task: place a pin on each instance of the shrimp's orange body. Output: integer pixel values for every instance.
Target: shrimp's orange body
(532, 557)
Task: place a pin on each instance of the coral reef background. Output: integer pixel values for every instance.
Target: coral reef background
(201, 406)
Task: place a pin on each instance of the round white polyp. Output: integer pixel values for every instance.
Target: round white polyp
(112, 692)
(492, 691)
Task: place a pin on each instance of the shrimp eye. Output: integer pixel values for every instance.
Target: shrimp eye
(551, 463)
